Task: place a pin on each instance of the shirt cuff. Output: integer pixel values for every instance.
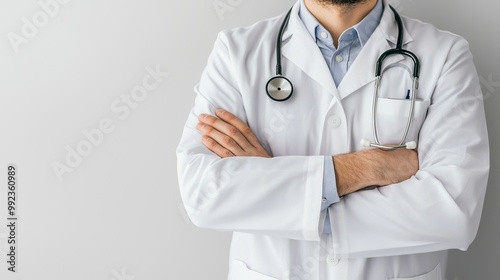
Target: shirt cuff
(330, 195)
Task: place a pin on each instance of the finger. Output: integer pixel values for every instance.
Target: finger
(222, 140)
(227, 129)
(213, 146)
(240, 125)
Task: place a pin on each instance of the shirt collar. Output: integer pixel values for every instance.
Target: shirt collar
(364, 29)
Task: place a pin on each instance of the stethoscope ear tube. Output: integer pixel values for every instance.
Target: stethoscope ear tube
(386, 54)
(412, 145)
(279, 42)
(279, 88)
(408, 145)
(378, 76)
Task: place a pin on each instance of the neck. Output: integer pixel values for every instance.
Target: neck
(337, 18)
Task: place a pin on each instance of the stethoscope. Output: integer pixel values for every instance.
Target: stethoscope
(280, 89)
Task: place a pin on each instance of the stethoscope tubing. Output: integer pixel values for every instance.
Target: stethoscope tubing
(277, 94)
(398, 50)
(279, 43)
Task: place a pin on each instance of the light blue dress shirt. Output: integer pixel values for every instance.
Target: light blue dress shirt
(339, 60)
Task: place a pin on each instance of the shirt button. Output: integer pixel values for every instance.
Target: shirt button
(339, 58)
(324, 35)
(332, 260)
(324, 200)
(334, 121)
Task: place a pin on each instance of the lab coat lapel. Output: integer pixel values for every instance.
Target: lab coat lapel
(301, 49)
(362, 71)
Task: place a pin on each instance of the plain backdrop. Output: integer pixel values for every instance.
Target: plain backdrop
(113, 212)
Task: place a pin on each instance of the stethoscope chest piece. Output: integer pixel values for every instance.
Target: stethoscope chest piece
(279, 88)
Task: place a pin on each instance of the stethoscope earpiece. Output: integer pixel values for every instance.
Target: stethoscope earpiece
(412, 145)
(279, 88)
(366, 143)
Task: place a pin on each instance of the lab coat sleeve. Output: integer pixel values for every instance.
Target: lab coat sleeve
(440, 207)
(279, 196)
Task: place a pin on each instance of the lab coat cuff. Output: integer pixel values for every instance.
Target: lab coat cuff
(312, 207)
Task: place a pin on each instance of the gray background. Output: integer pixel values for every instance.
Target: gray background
(118, 214)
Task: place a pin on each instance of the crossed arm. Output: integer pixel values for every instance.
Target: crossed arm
(437, 209)
(228, 136)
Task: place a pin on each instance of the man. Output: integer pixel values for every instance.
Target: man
(292, 180)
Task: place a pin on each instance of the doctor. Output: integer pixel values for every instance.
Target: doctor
(273, 172)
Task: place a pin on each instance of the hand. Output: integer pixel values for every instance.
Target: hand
(375, 167)
(228, 136)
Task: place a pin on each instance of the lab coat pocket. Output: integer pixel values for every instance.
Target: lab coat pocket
(435, 274)
(392, 118)
(238, 270)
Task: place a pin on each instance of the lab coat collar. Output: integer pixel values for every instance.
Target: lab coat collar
(389, 27)
(301, 49)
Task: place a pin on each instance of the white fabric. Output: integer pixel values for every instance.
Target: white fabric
(273, 205)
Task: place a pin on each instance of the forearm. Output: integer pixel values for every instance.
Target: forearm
(278, 196)
(352, 173)
(375, 167)
(419, 215)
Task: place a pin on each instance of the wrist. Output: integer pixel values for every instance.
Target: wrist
(374, 167)
(358, 170)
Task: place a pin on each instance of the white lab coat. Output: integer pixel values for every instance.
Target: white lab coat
(402, 231)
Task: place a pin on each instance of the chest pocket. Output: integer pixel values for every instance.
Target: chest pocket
(392, 117)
